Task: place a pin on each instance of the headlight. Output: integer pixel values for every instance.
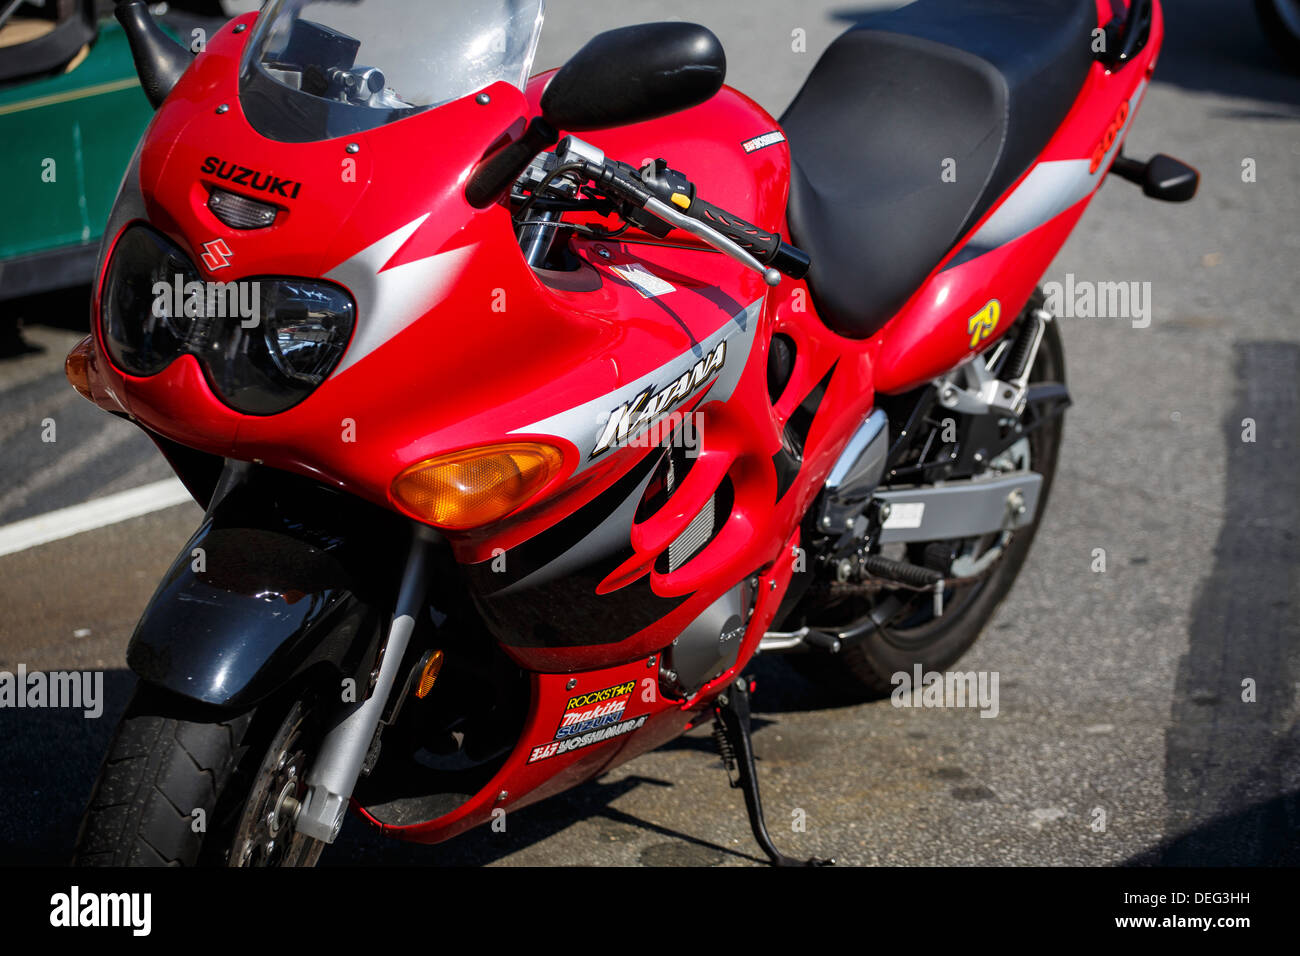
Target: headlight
(301, 332)
(265, 343)
(141, 339)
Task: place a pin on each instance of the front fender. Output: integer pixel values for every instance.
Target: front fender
(283, 576)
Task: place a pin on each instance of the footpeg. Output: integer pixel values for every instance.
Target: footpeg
(902, 572)
(731, 732)
(804, 640)
(1162, 177)
(821, 641)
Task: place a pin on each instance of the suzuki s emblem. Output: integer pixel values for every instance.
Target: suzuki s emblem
(216, 254)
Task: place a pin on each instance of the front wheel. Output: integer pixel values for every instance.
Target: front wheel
(183, 786)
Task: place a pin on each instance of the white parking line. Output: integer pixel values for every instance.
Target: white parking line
(110, 509)
(81, 455)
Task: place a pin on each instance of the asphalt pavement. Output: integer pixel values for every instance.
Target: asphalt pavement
(1156, 697)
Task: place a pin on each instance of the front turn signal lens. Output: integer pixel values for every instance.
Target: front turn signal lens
(429, 672)
(77, 368)
(468, 489)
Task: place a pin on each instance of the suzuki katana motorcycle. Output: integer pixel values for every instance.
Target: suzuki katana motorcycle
(515, 446)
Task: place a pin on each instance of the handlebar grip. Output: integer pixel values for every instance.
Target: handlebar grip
(759, 243)
(766, 247)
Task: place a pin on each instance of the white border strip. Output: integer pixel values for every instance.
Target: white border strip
(110, 509)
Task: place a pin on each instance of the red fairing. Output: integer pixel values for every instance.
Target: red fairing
(459, 344)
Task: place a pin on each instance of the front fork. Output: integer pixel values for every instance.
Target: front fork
(337, 766)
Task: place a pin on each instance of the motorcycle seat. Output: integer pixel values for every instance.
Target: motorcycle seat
(894, 110)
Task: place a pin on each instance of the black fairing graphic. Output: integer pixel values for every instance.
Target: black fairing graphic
(789, 457)
(545, 594)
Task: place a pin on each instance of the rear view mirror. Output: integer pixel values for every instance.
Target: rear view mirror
(634, 74)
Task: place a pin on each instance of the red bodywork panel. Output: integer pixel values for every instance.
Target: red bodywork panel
(460, 344)
(930, 334)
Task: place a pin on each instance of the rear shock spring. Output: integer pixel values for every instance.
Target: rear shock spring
(1019, 356)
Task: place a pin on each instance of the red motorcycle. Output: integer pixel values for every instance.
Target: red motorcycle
(516, 447)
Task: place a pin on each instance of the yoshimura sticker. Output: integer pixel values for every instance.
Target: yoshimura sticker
(759, 142)
(556, 747)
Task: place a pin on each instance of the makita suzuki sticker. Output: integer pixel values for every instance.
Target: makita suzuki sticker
(590, 719)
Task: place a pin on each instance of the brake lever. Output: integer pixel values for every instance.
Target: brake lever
(714, 238)
(633, 191)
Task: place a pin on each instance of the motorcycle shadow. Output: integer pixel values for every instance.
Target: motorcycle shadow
(592, 802)
(1262, 834)
(780, 689)
(52, 755)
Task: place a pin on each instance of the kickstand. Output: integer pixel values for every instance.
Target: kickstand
(731, 732)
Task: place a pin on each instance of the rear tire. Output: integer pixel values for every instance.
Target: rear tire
(868, 663)
(183, 786)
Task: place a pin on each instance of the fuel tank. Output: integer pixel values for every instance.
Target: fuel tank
(729, 146)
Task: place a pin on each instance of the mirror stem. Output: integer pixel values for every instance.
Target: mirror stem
(494, 175)
(159, 60)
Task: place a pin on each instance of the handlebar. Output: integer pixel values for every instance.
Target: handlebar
(761, 245)
(661, 198)
(767, 247)
(669, 196)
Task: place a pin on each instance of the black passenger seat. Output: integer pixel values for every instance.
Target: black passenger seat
(984, 83)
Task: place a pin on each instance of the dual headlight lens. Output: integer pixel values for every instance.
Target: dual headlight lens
(264, 343)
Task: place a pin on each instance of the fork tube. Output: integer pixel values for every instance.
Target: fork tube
(334, 773)
(536, 240)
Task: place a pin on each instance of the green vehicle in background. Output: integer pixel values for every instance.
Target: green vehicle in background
(71, 113)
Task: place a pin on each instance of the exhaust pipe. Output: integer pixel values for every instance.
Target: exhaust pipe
(159, 60)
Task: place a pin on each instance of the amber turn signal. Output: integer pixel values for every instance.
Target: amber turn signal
(77, 367)
(429, 674)
(467, 489)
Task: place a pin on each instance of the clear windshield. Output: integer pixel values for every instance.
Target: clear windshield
(317, 69)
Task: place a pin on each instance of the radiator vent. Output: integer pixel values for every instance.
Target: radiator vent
(667, 477)
(704, 527)
(696, 535)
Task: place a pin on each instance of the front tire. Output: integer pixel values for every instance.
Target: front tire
(185, 786)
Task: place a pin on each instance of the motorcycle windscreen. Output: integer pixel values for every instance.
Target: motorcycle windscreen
(321, 69)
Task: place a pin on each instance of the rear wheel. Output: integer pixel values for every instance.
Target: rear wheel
(183, 786)
(909, 632)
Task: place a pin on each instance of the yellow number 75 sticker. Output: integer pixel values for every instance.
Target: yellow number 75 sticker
(982, 323)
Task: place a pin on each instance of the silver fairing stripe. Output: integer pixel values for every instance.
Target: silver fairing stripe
(1050, 189)
(389, 300)
(586, 424)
